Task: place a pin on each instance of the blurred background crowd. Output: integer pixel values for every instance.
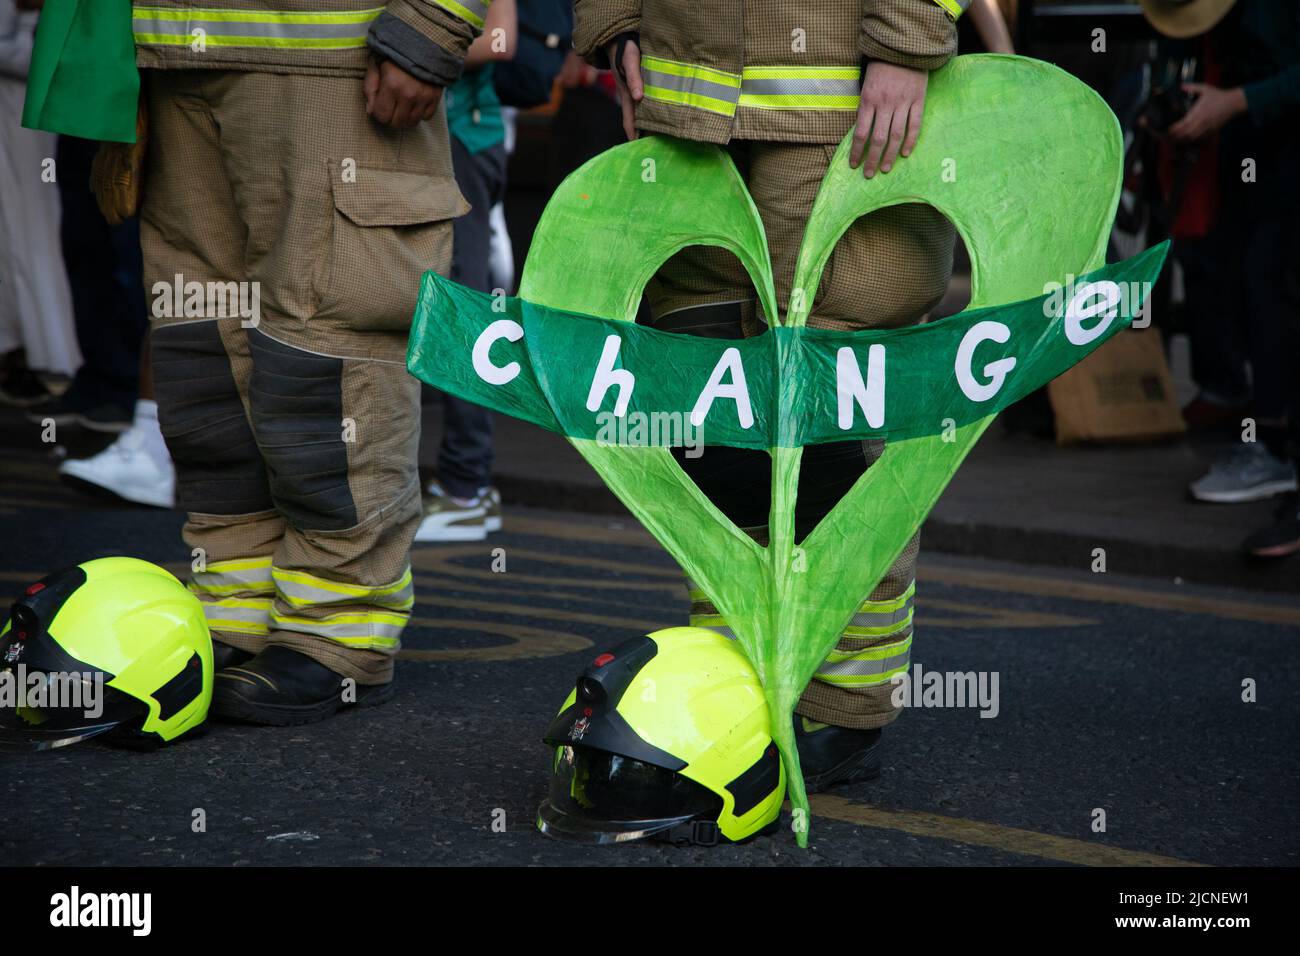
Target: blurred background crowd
(1208, 102)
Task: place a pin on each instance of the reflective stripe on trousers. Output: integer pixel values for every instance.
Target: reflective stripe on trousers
(756, 87)
(359, 616)
(875, 646)
(249, 596)
(236, 595)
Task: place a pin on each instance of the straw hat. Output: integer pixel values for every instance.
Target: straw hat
(1185, 18)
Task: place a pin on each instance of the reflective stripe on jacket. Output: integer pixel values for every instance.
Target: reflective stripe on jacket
(314, 36)
(786, 70)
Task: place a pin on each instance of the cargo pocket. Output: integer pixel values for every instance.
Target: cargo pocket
(390, 227)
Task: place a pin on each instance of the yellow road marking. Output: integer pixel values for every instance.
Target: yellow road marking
(972, 615)
(439, 561)
(546, 613)
(1181, 601)
(992, 835)
(976, 615)
(528, 642)
(629, 533)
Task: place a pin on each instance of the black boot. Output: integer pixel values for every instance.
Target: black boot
(227, 655)
(281, 687)
(832, 755)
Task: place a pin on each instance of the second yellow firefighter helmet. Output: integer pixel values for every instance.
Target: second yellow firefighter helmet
(111, 645)
(666, 736)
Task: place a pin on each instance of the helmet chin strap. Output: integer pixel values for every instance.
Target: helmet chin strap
(692, 833)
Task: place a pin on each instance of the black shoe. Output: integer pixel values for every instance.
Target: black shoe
(61, 410)
(1280, 539)
(281, 687)
(227, 655)
(108, 417)
(22, 387)
(832, 755)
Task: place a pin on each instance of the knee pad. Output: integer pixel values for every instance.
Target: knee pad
(219, 469)
(296, 399)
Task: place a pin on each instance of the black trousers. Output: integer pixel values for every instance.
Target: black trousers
(105, 272)
(1240, 277)
(467, 450)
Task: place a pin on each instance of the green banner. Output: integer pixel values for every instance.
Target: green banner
(625, 384)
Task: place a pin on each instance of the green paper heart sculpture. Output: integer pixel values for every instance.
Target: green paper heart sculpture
(1026, 162)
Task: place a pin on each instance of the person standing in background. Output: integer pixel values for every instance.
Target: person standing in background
(1252, 106)
(106, 272)
(36, 327)
(460, 504)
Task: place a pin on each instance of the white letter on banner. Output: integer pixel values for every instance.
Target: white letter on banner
(737, 390)
(507, 329)
(996, 371)
(849, 386)
(607, 376)
(1077, 310)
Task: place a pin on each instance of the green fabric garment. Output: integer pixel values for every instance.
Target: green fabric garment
(83, 79)
(474, 111)
(1025, 160)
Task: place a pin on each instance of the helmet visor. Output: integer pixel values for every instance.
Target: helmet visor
(601, 797)
(42, 710)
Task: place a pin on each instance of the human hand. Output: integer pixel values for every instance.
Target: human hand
(630, 92)
(889, 114)
(1212, 108)
(396, 98)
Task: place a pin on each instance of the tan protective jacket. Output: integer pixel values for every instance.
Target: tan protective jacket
(786, 70)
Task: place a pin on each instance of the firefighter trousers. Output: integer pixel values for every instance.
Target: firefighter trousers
(284, 236)
(887, 271)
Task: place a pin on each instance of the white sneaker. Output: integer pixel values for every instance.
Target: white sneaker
(452, 519)
(135, 468)
(492, 502)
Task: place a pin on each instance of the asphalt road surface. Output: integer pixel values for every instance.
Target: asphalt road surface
(1113, 694)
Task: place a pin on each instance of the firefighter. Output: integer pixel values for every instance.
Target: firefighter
(779, 85)
(297, 183)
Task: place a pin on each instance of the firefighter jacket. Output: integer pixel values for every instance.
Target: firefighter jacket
(427, 38)
(784, 70)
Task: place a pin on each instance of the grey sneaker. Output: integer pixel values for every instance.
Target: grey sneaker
(452, 519)
(1247, 472)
